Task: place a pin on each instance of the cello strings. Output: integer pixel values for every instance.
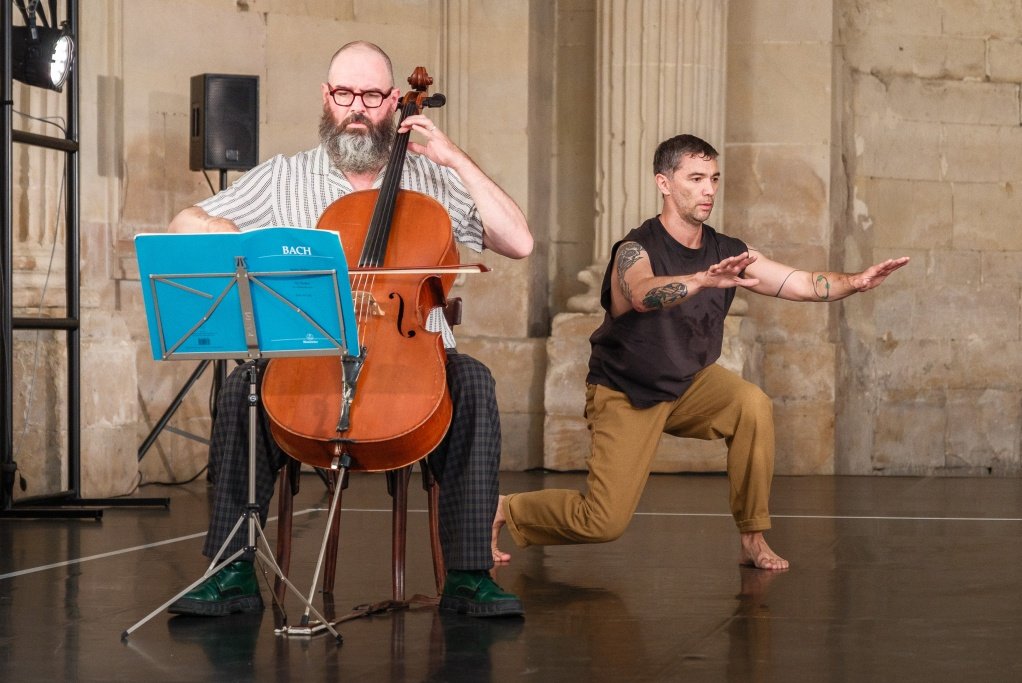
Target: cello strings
(373, 251)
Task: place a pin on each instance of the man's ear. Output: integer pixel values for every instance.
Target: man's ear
(663, 184)
(394, 99)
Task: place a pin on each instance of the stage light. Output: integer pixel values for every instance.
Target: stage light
(41, 56)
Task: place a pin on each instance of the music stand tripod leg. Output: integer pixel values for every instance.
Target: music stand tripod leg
(251, 515)
(213, 569)
(343, 463)
(254, 527)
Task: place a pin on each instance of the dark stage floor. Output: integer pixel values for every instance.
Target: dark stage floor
(892, 579)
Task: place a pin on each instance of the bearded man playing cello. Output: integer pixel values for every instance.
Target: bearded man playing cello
(357, 131)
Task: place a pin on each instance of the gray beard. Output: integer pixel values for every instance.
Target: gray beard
(357, 152)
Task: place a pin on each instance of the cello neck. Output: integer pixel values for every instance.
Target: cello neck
(378, 234)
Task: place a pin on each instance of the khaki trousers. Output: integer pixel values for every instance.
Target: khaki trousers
(719, 404)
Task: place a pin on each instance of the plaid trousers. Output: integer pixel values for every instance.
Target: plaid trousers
(466, 464)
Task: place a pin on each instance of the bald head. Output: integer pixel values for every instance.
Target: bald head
(360, 55)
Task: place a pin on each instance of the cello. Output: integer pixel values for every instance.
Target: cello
(387, 405)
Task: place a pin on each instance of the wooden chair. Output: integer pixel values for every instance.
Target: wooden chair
(397, 487)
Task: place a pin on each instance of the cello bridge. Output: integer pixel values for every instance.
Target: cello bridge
(365, 303)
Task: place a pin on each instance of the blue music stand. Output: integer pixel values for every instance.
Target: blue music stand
(257, 294)
(265, 293)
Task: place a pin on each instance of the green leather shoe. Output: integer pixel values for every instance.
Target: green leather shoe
(474, 593)
(232, 589)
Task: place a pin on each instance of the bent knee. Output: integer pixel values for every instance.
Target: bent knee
(753, 399)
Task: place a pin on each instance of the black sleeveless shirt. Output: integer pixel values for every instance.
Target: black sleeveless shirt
(653, 357)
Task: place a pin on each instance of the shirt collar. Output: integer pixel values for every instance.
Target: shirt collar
(321, 165)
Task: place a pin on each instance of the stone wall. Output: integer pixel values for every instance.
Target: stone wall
(854, 131)
(867, 130)
(931, 137)
(136, 59)
(779, 182)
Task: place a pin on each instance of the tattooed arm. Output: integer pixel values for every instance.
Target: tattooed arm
(634, 287)
(785, 282)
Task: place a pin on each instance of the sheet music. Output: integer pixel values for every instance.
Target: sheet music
(298, 283)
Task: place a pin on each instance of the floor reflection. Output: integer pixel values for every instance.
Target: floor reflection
(750, 656)
(228, 643)
(461, 648)
(893, 579)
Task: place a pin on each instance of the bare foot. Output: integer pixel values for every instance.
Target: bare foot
(756, 553)
(499, 556)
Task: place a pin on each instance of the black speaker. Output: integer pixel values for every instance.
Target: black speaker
(225, 122)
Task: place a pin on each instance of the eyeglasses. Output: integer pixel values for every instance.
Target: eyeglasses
(370, 98)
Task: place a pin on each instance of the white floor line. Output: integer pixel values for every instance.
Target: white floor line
(307, 511)
(112, 553)
(123, 551)
(895, 518)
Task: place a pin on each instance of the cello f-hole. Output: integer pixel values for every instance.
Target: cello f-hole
(401, 315)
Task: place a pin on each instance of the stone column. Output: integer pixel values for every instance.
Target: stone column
(661, 72)
(116, 412)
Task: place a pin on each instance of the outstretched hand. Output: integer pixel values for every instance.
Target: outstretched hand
(874, 275)
(728, 273)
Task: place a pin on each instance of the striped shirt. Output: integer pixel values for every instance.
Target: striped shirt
(295, 191)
